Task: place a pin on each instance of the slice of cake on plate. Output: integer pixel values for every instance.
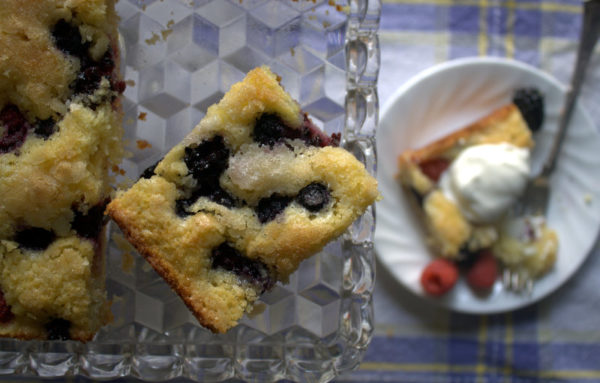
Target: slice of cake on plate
(252, 191)
(60, 133)
(467, 182)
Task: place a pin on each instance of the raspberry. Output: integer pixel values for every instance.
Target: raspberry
(268, 208)
(434, 168)
(483, 272)
(531, 104)
(439, 277)
(5, 314)
(15, 129)
(313, 197)
(254, 271)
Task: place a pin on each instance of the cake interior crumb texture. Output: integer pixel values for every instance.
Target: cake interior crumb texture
(252, 191)
(60, 133)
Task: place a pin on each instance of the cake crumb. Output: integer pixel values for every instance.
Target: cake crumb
(130, 83)
(292, 51)
(588, 199)
(143, 144)
(153, 40)
(142, 116)
(165, 33)
(117, 169)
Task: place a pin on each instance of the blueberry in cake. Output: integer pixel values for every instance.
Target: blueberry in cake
(252, 191)
(467, 181)
(60, 133)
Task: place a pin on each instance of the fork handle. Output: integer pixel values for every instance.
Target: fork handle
(590, 32)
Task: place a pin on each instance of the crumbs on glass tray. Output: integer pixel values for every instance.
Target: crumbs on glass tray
(143, 144)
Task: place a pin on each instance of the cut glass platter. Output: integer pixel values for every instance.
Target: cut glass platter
(179, 57)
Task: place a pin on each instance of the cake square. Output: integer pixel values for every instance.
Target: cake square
(252, 191)
(60, 133)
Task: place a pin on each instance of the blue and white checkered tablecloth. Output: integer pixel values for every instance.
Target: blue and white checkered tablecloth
(556, 340)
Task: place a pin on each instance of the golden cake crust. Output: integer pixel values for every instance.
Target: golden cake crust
(180, 249)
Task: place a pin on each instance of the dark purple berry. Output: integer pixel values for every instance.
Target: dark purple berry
(58, 329)
(118, 86)
(68, 39)
(15, 128)
(313, 197)
(6, 314)
(34, 238)
(218, 195)
(312, 135)
(211, 190)
(181, 207)
(269, 129)
(149, 171)
(45, 128)
(254, 271)
(269, 208)
(91, 73)
(207, 159)
(89, 225)
(531, 104)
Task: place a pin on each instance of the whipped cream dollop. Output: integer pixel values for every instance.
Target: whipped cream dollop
(485, 180)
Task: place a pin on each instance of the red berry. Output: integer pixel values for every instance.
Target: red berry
(434, 168)
(484, 271)
(439, 277)
(5, 314)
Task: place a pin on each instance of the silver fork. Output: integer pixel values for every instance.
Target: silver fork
(536, 196)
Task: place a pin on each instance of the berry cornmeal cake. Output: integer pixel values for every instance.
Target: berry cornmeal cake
(252, 191)
(467, 182)
(60, 133)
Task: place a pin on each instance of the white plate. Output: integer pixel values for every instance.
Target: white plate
(447, 97)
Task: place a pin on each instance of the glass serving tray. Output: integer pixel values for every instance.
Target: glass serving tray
(179, 57)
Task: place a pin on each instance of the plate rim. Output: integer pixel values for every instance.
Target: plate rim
(465, 62)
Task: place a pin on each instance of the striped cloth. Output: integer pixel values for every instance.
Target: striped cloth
(556, 340)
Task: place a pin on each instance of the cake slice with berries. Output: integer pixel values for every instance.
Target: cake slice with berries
(60, 133)
(466, 182)
(252, 191)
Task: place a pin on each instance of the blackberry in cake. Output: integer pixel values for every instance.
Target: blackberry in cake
(252, 191)
(466, 182)
(60, 133)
